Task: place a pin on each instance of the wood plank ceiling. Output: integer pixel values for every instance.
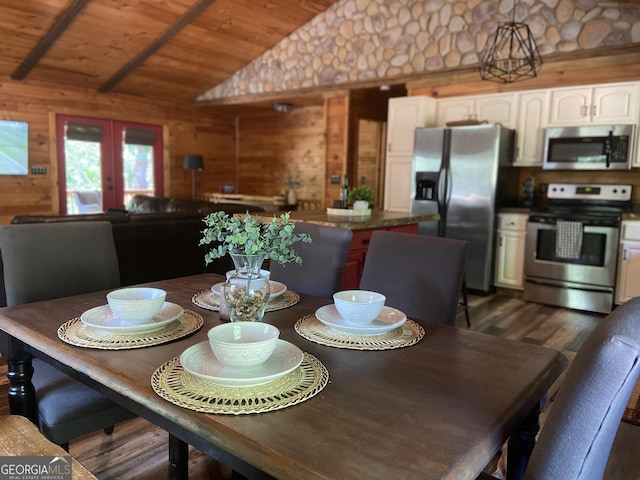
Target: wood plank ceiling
(163, 49)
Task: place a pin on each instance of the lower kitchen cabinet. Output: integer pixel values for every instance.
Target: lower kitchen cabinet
(358, 253)
(628, 280)
(510, 244)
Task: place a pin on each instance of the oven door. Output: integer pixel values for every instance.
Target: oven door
(595, 266)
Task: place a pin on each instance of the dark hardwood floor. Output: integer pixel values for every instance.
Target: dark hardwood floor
(139, 450)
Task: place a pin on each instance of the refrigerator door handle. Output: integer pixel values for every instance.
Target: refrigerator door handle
(442, 190)
(449, 187)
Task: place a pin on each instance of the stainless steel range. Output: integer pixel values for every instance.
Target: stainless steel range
(572, 246)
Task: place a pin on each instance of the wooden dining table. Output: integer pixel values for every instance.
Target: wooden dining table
(439, 409)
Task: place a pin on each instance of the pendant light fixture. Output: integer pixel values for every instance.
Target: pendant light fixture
(512, 54)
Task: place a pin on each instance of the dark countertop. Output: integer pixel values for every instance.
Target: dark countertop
(524, 210)
(377, 219)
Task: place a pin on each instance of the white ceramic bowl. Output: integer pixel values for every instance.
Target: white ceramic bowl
(265, 273)
(243, 345)
(358, 306)
(137, 304)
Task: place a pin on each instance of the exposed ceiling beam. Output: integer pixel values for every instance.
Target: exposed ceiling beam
(153, 47)
(49, 39)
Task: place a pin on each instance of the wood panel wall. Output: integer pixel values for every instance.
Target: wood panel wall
(273, 145)
(252, 149)
(337, 131)
(186, 131)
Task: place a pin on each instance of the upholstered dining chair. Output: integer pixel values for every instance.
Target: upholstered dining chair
(323, 261)
(44, 261)
(419, 274)
(578, 433)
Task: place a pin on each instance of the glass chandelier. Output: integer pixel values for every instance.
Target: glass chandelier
(512, 54)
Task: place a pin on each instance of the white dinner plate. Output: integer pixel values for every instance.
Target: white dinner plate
(200, 361)
(277, 289)
(103, 318)
(389, 319)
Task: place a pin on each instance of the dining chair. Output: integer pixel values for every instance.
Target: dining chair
(45, 261)
(323, 261)
(419, 274)
(578, 433)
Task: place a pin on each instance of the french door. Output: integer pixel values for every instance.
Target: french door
(103, 163)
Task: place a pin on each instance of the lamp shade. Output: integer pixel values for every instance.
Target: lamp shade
(193, 162)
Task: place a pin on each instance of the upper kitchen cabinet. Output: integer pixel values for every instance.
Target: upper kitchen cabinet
(495, 108)
(533, 110)
(600, 104)
(404, 116)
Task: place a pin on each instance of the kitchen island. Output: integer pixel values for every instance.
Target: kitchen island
(362, 227)
(379, 219)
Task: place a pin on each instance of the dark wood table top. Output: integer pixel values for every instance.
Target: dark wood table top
(440, 409)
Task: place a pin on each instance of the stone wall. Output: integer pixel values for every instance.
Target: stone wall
(360, 40)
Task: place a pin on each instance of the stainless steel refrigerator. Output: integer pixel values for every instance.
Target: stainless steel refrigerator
(465, 174)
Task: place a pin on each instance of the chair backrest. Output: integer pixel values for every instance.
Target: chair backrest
(89, 201)
(51, 260)
(576, 438)
(419, 274)
(323, 261)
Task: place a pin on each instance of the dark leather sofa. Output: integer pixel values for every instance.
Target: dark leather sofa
(156, 238)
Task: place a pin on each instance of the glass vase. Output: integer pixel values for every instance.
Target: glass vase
(246, 290)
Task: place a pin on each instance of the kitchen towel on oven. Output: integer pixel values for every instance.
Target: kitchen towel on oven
(568, 239)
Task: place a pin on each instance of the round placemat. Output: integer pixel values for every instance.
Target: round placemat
(179, 387)
(309, 327)
(77, 333)
(211, 301)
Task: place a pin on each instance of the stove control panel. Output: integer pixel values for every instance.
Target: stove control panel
(589, 191)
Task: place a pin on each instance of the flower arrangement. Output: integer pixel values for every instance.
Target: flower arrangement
(249, 235)
(361, 192)
(292, 181)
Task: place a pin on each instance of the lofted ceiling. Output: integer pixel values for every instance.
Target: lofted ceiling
(161, 49)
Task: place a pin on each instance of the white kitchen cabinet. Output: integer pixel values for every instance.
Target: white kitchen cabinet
(533, 108)
(397, 187)
(404, 116)
(510, 244)
(495, 108)
(628, 279)
(600, 104)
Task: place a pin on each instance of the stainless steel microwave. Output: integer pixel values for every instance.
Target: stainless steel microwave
(589, 147)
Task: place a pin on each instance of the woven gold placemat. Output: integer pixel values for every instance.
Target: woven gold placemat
(309, 327)
(211, 301)
(77, 333)
(179, 387)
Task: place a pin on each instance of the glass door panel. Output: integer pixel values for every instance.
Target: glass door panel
(103, 163)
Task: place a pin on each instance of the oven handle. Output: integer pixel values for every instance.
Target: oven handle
(586, 228)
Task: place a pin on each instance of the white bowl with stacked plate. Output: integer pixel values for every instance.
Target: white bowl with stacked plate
(136, 305)
(358, 307)
(243, 345)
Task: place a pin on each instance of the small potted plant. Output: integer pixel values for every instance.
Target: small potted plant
(361, 197)
(249, 241)
(292, 181)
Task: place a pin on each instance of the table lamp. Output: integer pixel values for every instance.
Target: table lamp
(193, 163)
